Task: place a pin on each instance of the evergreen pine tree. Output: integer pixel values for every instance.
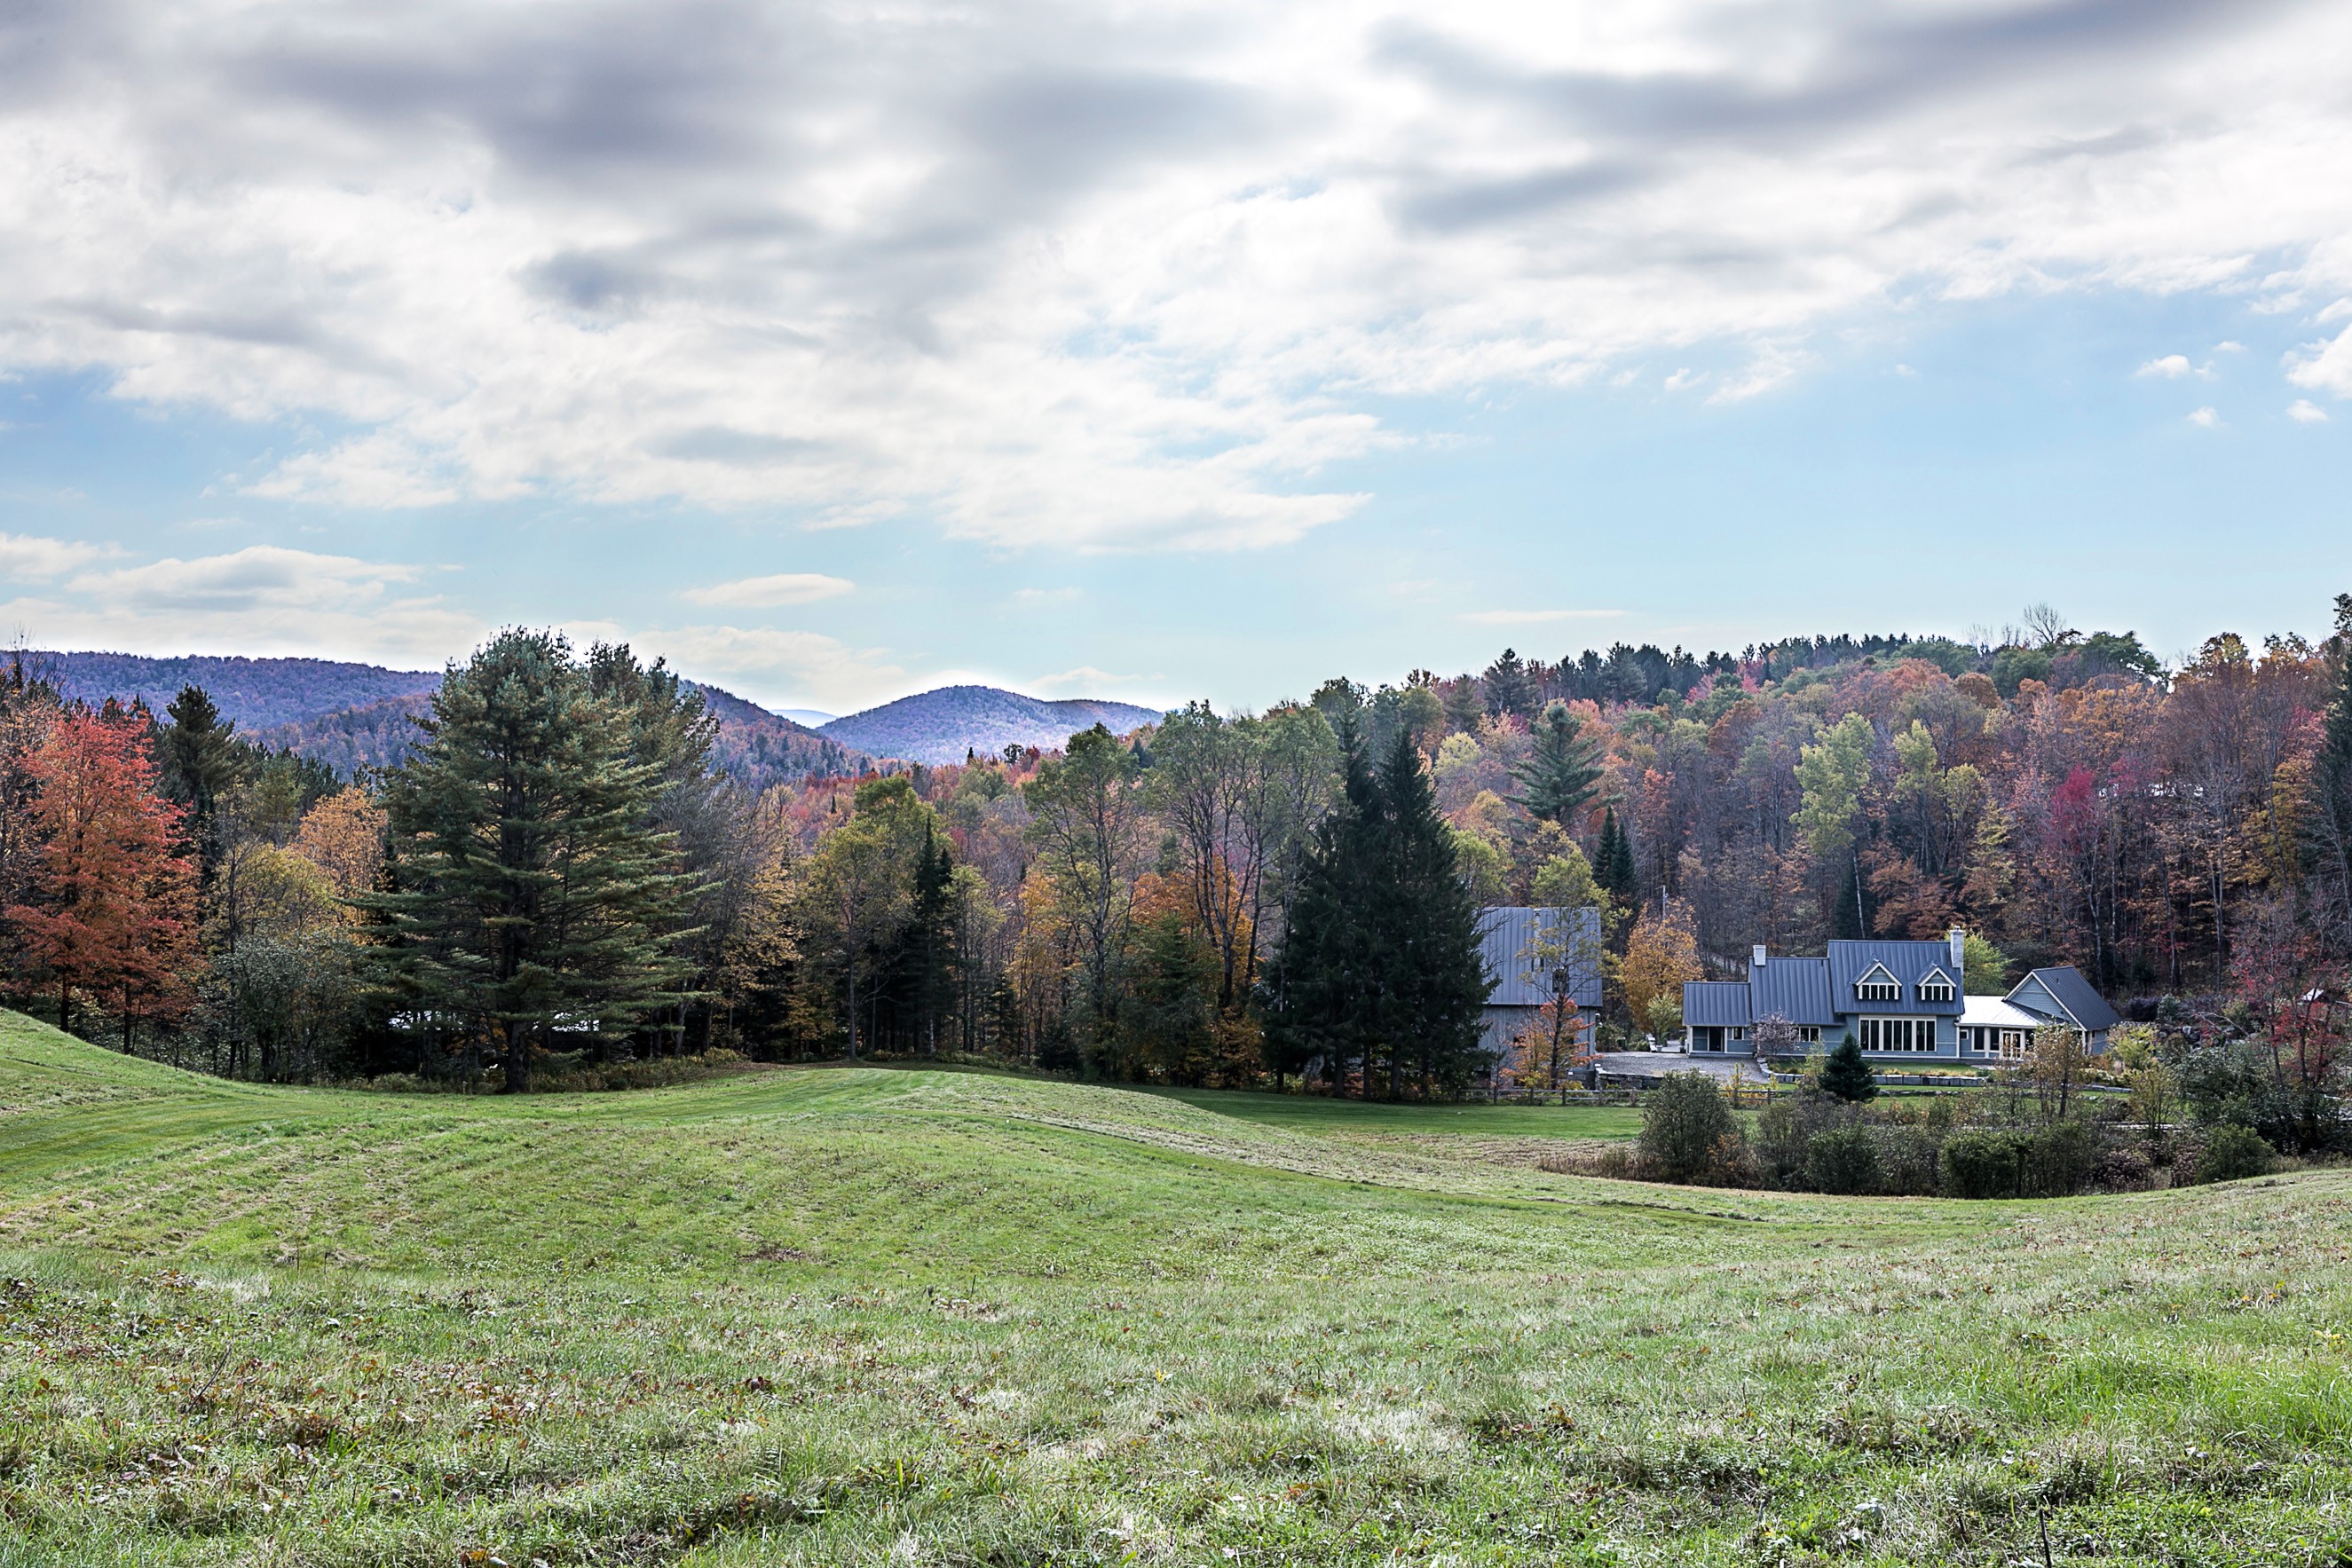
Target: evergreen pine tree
(1561, 773)
(929, 945)
(1462, 703)
(531, 893)
(1613, 863)
(1846, 1075)
(203, 760)
(1322, 986)
(1438, 982)
(1508, 688)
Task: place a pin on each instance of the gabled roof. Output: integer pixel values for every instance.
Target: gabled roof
(1937, 974)
(1508, 939)
(2071, 994)
(1797, 989)
(1907, 961)
(1715, 1004)
(1878, 974)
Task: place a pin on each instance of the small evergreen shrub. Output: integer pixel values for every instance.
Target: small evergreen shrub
(2232, 1152)
(1683, 1120)
(1842, 1160)
(1846, 1075)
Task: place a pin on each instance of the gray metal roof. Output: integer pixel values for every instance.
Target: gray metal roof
(1715, 1004)
(1908, 962)
(2076, 997)
(1509, 943)
(1797, 989)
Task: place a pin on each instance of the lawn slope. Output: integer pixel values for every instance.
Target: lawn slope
(870, 1314)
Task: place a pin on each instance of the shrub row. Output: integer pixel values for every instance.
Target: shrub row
(1813, 1143)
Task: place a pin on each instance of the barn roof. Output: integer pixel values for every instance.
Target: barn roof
(1512, 941)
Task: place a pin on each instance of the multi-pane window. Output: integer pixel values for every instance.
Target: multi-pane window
(1877, 990)
(1810, 1033)
(1896, 1034)
(1935, 988)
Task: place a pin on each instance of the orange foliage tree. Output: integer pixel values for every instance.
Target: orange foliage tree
(113, 905)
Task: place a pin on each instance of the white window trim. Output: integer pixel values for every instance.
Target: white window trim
(1936, 976)
(1914, 1029)
(1877, 975)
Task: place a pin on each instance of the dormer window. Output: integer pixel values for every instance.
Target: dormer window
(1878, 985)
(1935, 987)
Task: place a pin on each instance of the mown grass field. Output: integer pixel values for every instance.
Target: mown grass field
(899, 1316)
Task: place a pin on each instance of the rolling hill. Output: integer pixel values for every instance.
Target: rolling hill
(256, 694)
(942, 726)
(755, 747)
(866, 1314)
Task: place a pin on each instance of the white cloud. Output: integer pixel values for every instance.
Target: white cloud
(264, 599)
(1086, 681)
(258, 577)
(2302, 411)
(2206, 418)
(2324, 366)
(23, 558)
(2171, 367)
(768, 664)
(770, 593)
(1100, 278)
(1533, 617)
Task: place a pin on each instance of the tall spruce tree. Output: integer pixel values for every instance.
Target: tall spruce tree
(1437, 983)
(1322, 986)
(1507, 687)
(531, 893)
(203, 761)
(930, 947)
(1561, 773)
(1613, 863)
(1380, 965)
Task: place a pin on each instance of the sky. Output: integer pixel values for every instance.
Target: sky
(835, 352)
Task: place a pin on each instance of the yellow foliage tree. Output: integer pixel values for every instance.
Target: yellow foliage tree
(1660, 957)
(343, 835)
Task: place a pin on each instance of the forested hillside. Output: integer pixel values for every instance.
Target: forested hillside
(253, 693)
(753, 746)
(946, 724)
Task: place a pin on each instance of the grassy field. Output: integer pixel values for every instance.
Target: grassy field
(896, 1316)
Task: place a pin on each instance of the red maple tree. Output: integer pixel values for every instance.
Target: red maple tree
(113, 910)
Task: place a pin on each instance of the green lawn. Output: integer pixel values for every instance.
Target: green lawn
(869, 1315)
(1314, 1115)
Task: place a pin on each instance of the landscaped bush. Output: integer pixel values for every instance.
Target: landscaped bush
(2124, 1168)
(1985, 1163)
(1842, 1160)
(1683, 1120)
(2061, 1159)
(2231, 1154)
(572, 1077)
(1906, 1159)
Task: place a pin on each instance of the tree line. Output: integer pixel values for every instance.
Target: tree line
(558, 878)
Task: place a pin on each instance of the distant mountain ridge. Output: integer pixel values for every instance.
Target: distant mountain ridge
(754, 747)
(351, 715)
(942, 726)
(258, 694)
